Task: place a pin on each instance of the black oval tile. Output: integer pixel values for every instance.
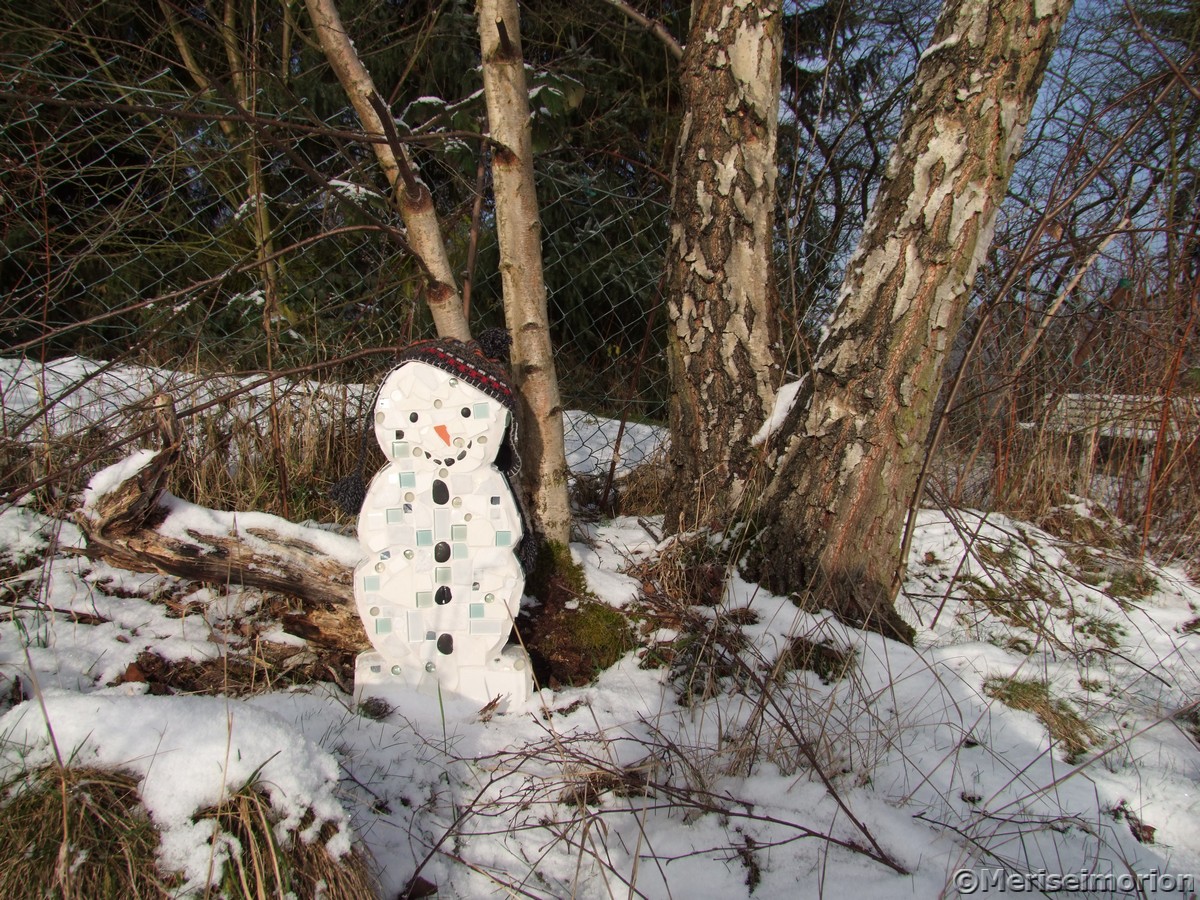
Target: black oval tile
(441, 493)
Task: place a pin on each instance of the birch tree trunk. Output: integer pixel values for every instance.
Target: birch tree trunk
(851, 449)
(723, 341)
(412, 196)
(519, 235)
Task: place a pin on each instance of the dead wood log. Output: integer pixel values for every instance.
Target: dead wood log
(131, 521)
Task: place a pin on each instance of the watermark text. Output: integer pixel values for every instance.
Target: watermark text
(1006, 881)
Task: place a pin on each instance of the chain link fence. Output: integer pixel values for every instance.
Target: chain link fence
(242, 256)
(253, 269)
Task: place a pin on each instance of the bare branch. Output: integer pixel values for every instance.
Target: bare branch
(411, 186)
(1175, 68)
(653, 26)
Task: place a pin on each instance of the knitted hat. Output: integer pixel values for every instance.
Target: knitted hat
(480, 363)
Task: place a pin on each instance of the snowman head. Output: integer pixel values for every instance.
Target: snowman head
(433, 412)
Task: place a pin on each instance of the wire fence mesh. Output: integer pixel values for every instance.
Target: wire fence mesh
(242, 255)
(158, 242)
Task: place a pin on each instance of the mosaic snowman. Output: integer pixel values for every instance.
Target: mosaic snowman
(441, 582)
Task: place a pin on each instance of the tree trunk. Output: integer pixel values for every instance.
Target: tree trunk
(852, 447)
(412, 196)
(135, 524)
(519, 234)
(723, 341)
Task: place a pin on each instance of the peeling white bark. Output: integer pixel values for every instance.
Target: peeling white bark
(846, 475)
(518, 232)
(752, 63)
(723, 346)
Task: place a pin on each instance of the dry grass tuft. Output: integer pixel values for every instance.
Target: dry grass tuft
(83, 832)
(1066, 727)
(255, 668)
(76, 832)
(824, 660)
(640, 492)
(689, 571)
(248, 453)
(587, 785)
(682, 596)
(259, 867)
(1100, 529)
(233, 464)
(643, 490)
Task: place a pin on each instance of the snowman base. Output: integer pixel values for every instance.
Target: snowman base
(507, 676)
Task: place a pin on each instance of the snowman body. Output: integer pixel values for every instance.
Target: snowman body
(441, 584)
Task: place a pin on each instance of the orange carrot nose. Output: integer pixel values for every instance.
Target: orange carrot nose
(443, 432)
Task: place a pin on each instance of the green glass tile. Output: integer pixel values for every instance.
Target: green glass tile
(424, 598)
(481, 410)
(371, 583)
(476, 611)
(383, 626)
(460, 551)
(503, 538)
(441, 575)
(458, 532)
(399, 449)
(424, 538)
(394, 516)
(408, 479)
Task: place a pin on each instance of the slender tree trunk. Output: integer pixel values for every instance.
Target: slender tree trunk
(243, 75)
(519, 234)
(851, 450)
(723, 341)
(412, 196)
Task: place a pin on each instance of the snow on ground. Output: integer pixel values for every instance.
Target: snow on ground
(631, 786)
(188, 752)
(77, 395)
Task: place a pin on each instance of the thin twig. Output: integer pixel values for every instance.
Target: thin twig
(653, 26)
(393, 140)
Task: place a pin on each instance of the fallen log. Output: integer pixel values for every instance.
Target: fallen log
(131, 521)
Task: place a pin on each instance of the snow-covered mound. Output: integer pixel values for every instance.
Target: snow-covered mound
(1045, 726)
